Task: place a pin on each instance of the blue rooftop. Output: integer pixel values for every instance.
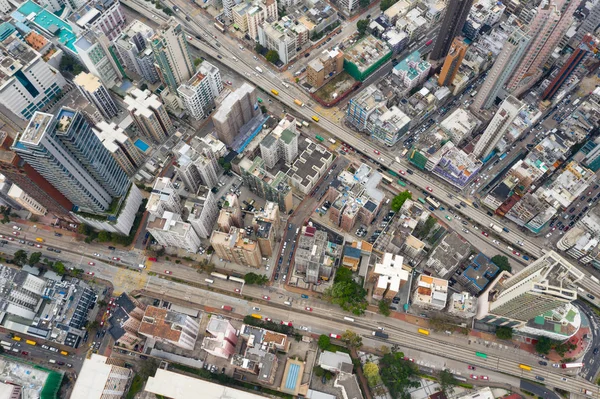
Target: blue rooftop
(481, 271)
(352, 252)
(50, 23)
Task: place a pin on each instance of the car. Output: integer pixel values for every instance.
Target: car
(542, 363)
(555, 365)
(91, 263)
(229, 83)
(376, 152)
(471, 367)
(97, 254)
(90, 273)
(496, 242)
(484, 377)
(268, 319)
(473, 376)
(266, 298)
(287, 323)
(590, 296)
(115, 258)
(525, 257)
(448, 217)
(402, 172)
(237, 290)
(24, 353)
(168, 272)
(537, 377)
(57, 234)
(516, 253)
(37, 245)
(308, 309)
(256, 308)
(596, 351)
(429, 189)
(16, 233)
(485, 233)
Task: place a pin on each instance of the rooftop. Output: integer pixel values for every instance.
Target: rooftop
(110, 135)
(480, 271)
(431, 290)
(88, 81)
(49, 23)
(142, 102)
(36, 128)
(162, 323)
(366, 52)
(98, 379)
(228, 103)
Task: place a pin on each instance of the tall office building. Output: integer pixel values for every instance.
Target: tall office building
(237, 109)
(93, 50)
(547, 29)
(508, 111)
(452, 62)
(197, 165)
(542, 286)
(149, 114)
(507, 60)
(198, 94)
(67, 153)
(17, 171)
(95, 92)
(457, 12)
(27, 82)
(588, 46)
(134, 53)
(172, 54)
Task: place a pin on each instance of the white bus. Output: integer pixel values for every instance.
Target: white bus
(305, 123)
(349, 319)
(433, 202)
(6, 344)
(299, 125)
(209, 281)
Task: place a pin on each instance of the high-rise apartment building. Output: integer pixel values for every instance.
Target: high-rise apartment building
(249, 16)
(133, 51)
(172, 54)
(30, 181)
(198, 94)
(197, 165)
(169, 230)
(237, 109)
(235, 247)
(27, 82)
(508, 111)
(114, 139)
(330, 63)
(149, 114)
(452, 62)
(164, 198)
(282, 142)
(510, 56)
(101, 15)
(4, 7)
(547, 29)
(95, 92)
(457, 12)
(66, 152)
(542, 286)
(202, 212)
(588, 47)
(93, 51)
(231, 214)
(588, 25)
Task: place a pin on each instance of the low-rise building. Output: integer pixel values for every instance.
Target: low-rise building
(336, 362)
(478, 274)
(99, 378)
(231, 214)
(221, 338)
(261, 182)
(125, 321)
(462, 305)
(431, 292)
(460, 124)
(365, 56)
(174, 328)
(391, 275)
(412, 70)
(450, 252)
(235, 247)
(26, 201)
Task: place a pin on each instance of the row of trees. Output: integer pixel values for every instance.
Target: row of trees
(21, 258)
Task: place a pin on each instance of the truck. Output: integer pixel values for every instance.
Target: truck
(571, 365)
(258, 69)
(227, 308)
(497, 229)
(39, 239)
(586, 391)
(380, 334)
(298, 103)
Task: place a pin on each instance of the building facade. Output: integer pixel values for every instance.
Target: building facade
(149, 114)
(457, 12)
(93, 51)
(172, 55)
(237, 109)
(198, 94)
(457, 52)
(114, 139)
(95, 92)
(508, 111)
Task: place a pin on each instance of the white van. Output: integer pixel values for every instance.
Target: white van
(16, 228)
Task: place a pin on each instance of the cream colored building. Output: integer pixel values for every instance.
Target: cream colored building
(235, 247)
(26, 201)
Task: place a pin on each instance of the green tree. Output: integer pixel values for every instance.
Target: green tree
(347, 293)
(197, 62)
(504, 333)
(258, 48)
(352, 339)
(318, 371)
(263, 109)
(385, 4)
(255, 279)
(59, 268)
(324, 342)
(143, 87)
(371, 372)
(104, 236)
(5, 211)
(364, 3)
(84, 228)
(272, 56)
(399, 200)
(361, 26)
(398, 375)
(447, 382)
(502, 262)
(20, 257)
(543, 345)
(70, 64)
(384, 307)
(34, 258)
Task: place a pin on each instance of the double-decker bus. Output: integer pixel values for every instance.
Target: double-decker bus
(387, 180)
(401, 183)
(433, 202)
(319, 138)
(422, 201)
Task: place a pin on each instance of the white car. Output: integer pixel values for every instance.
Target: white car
(496, 242)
